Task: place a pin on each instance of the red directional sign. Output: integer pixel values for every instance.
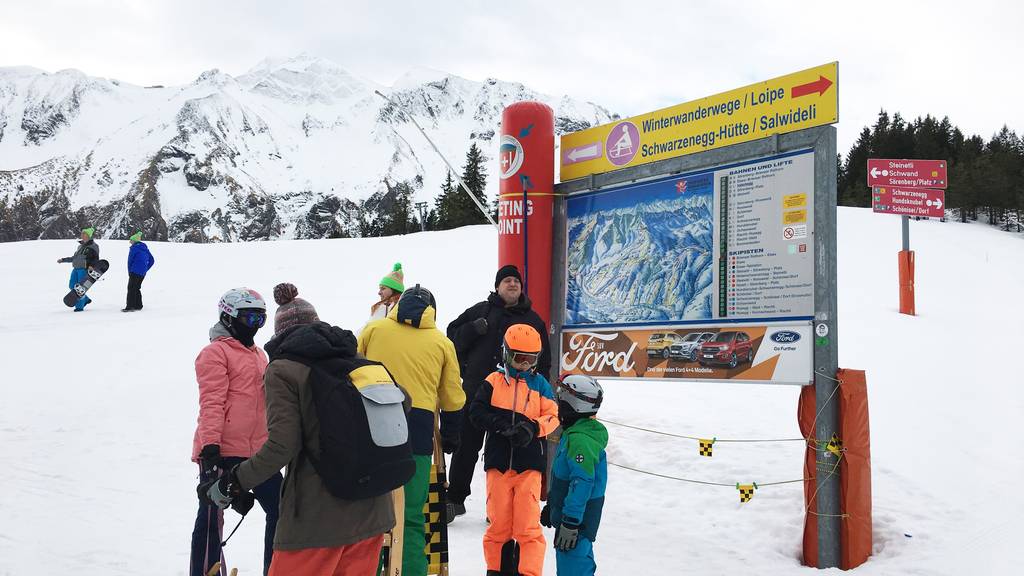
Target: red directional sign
(907, 173)
(909, 201)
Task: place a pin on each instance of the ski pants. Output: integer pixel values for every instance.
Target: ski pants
(513, 505)
(134, 301)
(359, 559)
(577, 562)
(78, 275)
(463, 465)
(414, 548)
(208, 531)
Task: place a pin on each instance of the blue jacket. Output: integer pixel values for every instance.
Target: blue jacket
(580, 476)
(139, 259)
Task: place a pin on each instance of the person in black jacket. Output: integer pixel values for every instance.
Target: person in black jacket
(477, 335)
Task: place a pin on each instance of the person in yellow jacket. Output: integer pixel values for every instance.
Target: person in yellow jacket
(422, 360)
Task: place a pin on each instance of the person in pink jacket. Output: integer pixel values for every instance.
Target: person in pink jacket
(232, 421)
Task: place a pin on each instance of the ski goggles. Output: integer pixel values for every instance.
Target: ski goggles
(253, 319)
(524, 358)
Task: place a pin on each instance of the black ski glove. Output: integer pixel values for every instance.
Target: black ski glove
(479, 326)
(521, 433)
(220, 492)
(243, 503)
(566, 536)
(545, 516)
(209, 459)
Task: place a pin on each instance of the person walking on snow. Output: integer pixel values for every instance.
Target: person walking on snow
(139, 263)
(423, 362)
(319, 533)
(389, 291)
(579, 476)
(85, 257)
(232, 423)
(477, 335)
(515, 406)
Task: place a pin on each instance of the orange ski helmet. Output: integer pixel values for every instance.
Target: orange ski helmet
(522, 343)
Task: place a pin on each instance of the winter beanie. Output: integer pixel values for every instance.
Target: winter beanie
(506, 271)
(88, 231)
(137, 237)
(291, 311)
(394, 279)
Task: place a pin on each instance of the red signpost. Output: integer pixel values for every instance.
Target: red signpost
(907, 188)
(925, 202)
(907, 173)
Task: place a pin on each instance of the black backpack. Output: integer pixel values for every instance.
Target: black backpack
(364, 431)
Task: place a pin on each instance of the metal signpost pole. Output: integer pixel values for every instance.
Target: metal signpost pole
(826, 350)
(906, 233)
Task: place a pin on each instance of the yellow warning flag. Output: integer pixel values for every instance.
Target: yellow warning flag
(746, 492)
(705, 446)
(835, 445)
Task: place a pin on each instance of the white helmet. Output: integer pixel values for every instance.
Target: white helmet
(239, 298)
(581, 392)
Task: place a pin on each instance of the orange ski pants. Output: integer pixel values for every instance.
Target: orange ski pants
(359, 559)
(513, 506)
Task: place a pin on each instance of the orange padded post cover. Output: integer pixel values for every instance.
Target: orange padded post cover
(854, 469)
(907, 282)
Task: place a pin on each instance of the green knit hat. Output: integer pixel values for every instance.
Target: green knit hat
(88, 231)
(394, 279)
(137, 237)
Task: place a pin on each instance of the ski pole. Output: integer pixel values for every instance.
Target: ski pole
(225, 542)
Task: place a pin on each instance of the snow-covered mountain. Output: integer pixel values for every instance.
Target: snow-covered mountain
(286, 150)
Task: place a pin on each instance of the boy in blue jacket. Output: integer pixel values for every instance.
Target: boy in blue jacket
(579, 475)
(139, 262)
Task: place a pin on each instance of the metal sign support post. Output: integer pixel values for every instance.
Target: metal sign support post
(826, 350)
(906, 233)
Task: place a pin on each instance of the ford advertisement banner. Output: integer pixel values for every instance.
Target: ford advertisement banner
(756, 353)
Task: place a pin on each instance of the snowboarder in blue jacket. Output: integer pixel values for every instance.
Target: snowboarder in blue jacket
(139, 263)
(579, 475)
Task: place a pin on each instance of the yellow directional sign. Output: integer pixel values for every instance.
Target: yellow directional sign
(785, 104)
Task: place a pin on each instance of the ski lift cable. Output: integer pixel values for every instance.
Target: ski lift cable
(449, 164)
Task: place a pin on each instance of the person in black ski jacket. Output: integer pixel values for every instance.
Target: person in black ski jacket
(85, 257)
(477, 335)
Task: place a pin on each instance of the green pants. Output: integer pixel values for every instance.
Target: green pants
(414, 556)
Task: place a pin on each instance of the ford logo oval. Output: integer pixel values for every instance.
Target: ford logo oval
(785, 337)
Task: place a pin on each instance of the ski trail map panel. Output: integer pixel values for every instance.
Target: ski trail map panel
(701, 275)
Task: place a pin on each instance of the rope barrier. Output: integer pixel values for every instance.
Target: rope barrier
(695, 437)
(705, 482)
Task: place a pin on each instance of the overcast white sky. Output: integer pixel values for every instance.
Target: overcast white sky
(961, 59)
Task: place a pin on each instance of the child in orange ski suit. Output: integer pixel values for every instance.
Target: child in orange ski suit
(516, 407)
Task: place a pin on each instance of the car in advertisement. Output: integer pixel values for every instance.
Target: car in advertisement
(689, 346)
(660, 344)
(727, 348)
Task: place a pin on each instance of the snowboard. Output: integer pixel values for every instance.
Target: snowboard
(436, 528)
(81, 288)
(391, 553)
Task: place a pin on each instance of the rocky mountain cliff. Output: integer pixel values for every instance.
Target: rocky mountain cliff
(286, 150)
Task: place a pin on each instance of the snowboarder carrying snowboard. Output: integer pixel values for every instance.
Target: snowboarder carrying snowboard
(516, 408)
(319, 532)
(423, 361)
(579, 476)
(139, 263)
(85, 257)
(232, 422)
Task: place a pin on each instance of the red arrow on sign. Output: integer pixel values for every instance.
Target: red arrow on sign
(820, 86)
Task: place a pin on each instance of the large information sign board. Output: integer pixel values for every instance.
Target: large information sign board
(730, 243)
(785, 104)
